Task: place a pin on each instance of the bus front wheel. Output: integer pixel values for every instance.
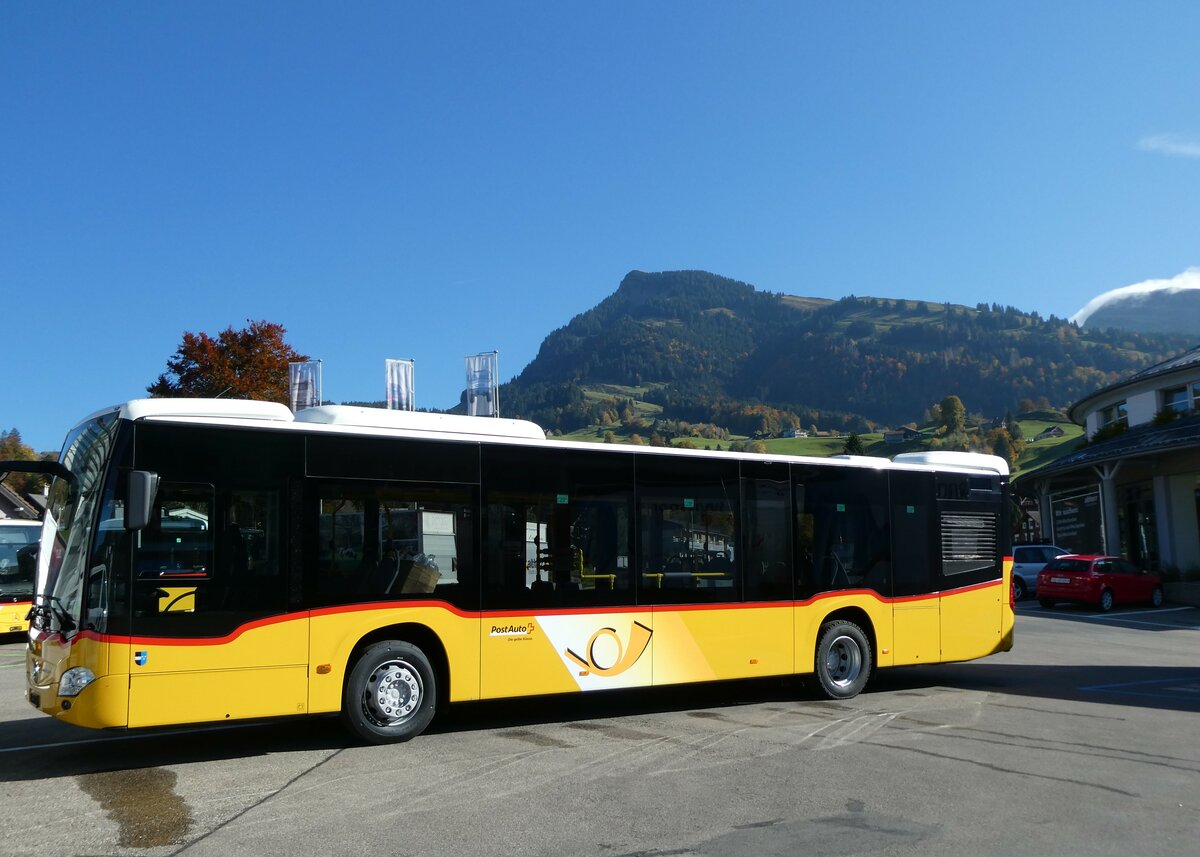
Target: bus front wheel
(391, 693)
(843, 659)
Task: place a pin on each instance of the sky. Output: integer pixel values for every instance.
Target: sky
(432, 180)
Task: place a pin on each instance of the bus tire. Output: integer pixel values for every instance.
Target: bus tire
(391, 693)
(843, 659)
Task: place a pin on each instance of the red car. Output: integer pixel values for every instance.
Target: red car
(1101, 581)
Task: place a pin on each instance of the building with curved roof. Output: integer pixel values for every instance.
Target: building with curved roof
(1134, 490)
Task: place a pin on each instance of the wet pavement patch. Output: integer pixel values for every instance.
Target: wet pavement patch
(143, 803)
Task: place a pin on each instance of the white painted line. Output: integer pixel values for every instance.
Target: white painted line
(1155, 610)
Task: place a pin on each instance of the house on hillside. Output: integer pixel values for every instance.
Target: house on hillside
(901, 434)
(1134, 490)
(1052, 431)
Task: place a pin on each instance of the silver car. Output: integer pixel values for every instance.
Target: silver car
(1028, 560)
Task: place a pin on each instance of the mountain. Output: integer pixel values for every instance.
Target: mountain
(705, 348)
(1157, 311)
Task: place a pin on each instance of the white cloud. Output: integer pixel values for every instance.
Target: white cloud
(1171, 144)
(1189, 279)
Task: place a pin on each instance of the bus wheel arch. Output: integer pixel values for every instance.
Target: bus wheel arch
(844, 654)
(395, 680)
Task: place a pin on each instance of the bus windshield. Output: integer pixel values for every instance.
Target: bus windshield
(67, 527)
(18, 552)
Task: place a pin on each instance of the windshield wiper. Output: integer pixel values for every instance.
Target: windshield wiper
(49, 607)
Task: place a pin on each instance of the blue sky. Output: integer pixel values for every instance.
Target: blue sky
(435, 180)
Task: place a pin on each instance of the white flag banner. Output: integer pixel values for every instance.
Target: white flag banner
(401, 395)
(304, 385)
(483, 385)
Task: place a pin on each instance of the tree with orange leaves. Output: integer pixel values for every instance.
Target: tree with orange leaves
(251, 363)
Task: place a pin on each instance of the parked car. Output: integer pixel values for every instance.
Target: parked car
(1028, 560)
(1101, 581)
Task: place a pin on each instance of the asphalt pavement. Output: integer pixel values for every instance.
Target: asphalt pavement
(1082, 740)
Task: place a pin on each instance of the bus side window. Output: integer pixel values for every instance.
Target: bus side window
(558, 528)
(844, 524)
(393, 542)
(178, 542)
(688, 530)
(766, 512)
(250, 569)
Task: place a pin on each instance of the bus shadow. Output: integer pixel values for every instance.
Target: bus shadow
(45, 749)
(1158, 687)
(35, 749)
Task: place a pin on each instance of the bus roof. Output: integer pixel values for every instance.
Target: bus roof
(348, 419)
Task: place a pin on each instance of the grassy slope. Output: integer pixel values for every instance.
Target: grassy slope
(1035, 454)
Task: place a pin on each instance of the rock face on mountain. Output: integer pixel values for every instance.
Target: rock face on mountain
(1159, 311)
(706, 348)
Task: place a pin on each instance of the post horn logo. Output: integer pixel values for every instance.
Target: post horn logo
(639, 639)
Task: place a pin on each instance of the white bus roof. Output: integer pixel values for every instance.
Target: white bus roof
(349, 419)
(347, 415)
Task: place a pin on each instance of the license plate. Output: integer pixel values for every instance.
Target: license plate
(1060, 580)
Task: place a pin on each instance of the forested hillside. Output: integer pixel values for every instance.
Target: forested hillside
(709, 349)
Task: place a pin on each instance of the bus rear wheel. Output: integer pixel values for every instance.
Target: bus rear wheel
(391, 693)
(843, 659)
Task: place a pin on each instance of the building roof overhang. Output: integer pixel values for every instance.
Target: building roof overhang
(1141, 441)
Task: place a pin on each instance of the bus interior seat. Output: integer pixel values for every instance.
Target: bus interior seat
(834, 573)
(383, 578)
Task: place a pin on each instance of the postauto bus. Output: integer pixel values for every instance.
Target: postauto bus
(18, 556)
(211, 561)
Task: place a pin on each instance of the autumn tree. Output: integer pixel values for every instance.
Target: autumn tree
(251, 363)
(12, 448)
(953, 414)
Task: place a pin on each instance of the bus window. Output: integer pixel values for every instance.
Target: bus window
(394, 542)
(912, 500)
(558, 528)
(766, 511)
(841, 530)
(687, 518)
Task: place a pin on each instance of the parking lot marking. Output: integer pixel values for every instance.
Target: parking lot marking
(1169, 688)
(1143, 612)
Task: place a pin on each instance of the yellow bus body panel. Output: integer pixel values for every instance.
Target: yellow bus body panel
(204, 696)
(335, 631)
(297, 664)
(810, 615)
(977, 621)
(12, 617)
(719, 643)
(916, 631)
(562, 652)
(260, 670)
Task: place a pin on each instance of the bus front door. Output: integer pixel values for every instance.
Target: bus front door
(212, 638)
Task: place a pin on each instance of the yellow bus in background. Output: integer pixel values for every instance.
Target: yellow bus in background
(18, 557)
(210, 561)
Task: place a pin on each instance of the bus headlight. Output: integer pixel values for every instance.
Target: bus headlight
(74, 680)
(40, 673)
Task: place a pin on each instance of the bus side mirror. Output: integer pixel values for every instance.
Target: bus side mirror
(143, 486)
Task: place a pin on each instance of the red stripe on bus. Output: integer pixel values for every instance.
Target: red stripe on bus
(557, 611)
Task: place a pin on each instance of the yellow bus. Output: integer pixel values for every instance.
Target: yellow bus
(210, 561)
(18, 552)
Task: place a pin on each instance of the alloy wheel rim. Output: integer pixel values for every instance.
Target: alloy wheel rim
(393, 693)
(843, 661)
